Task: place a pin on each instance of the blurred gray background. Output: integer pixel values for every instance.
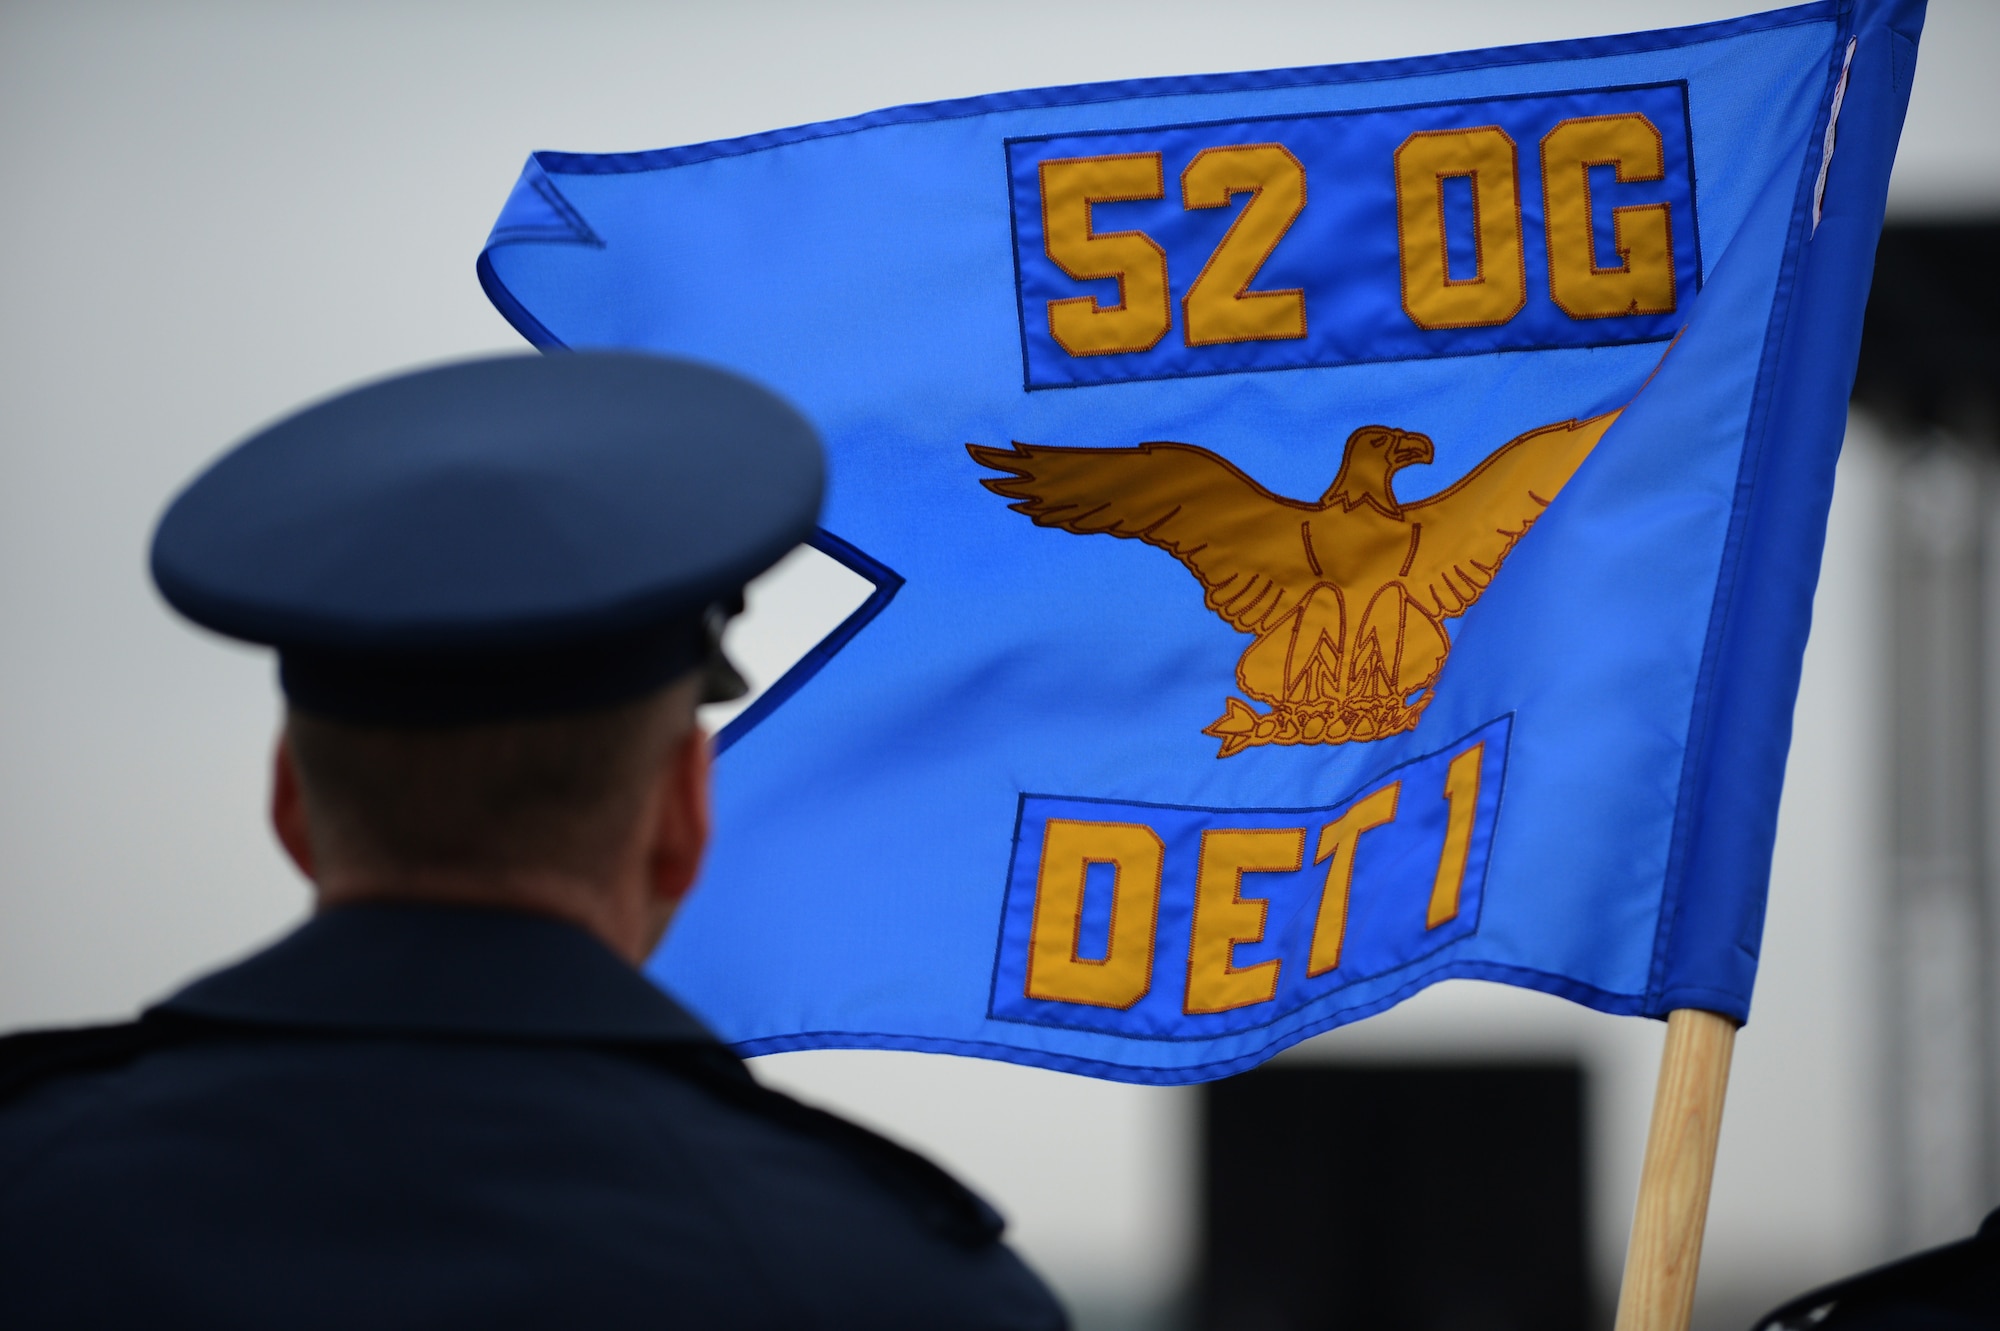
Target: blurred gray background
(216, 211)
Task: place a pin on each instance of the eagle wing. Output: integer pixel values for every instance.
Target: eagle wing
(1244, 543)
(1469, 528)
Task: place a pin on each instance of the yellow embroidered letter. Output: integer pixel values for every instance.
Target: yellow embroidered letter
(1461, 787)
(1498, 287)
(1222, 918)
(1142, 316)
(1123, 975)
(1643, 280)
(1336, 842)
(1220, 307)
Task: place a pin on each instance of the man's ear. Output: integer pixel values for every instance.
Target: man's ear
(288, 807)
(681, 820)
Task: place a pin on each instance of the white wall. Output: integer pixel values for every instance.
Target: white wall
(215, 211)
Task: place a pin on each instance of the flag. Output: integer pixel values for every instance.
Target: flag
(1325, 531)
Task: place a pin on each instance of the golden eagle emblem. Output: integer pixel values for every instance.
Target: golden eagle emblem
(1347, 596)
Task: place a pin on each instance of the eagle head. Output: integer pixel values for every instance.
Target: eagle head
(1375, 453)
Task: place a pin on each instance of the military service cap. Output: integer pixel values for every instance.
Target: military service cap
(514, 536)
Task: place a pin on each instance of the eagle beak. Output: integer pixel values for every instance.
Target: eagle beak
(1411, 450)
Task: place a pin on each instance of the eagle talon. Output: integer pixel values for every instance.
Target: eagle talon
(1236, 719)
(1330, 722)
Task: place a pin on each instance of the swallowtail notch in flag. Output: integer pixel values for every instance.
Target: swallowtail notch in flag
(1327, 531)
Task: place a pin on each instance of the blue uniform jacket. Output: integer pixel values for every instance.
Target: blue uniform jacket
(407, 1116)
(1953, 1288)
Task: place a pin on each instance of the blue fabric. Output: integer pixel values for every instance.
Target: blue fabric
(1346, 267)
(1641, 644)
(1384, 934)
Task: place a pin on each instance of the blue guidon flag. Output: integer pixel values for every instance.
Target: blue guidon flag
(1329, 530)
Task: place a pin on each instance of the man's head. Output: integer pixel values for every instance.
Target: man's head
(496, 589)
(599, 817)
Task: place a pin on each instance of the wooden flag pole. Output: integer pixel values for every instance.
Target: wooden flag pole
(1665, 1248)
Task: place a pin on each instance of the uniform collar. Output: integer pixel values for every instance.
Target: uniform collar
(417, 969)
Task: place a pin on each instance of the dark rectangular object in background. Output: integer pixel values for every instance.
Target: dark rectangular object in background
(1427, 1197)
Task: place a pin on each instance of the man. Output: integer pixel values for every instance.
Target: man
(449, 1099)
(1952, 1288)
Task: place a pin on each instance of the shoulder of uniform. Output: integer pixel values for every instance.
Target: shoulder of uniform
(939, 1202)
(1954, 1281)
(30, 1058)
(943, 1204)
